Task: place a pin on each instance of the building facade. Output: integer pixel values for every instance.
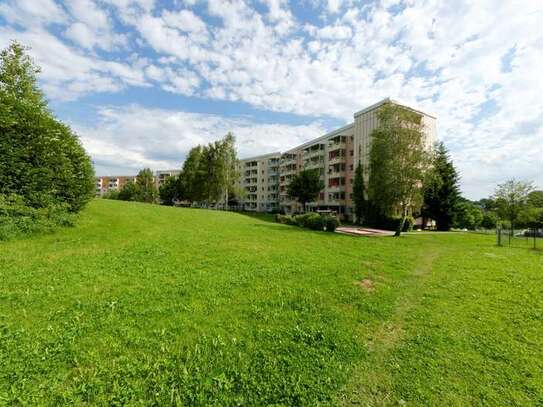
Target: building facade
(258, 185)
(335, 155)
(112, 183)
(116, 182)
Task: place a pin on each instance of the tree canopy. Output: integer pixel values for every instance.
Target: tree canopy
(305, 187)
(398, 162)
(442, 193)
(41, 159)
(511, 199)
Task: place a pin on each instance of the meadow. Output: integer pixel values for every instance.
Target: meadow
(147, 305)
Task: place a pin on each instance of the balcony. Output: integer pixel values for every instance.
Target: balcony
(337, 142)
(336, 188)
(315, 161)
(336, 159)
(287, 170)
(288, 159)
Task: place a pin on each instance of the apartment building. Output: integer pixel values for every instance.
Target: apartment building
(259, 183)
(162, 175)
(116, 182)
(112, 183)
(335, 155)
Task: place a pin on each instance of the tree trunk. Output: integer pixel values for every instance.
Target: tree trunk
(402, 223)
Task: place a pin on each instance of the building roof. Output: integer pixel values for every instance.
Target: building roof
(333, 133)
(395, 101)
(259, 157)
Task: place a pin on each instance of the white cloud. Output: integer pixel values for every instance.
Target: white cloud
(334, 6)
(92, 26)
(68, 73)
(32, 12)
(125, 139)
(445, 56)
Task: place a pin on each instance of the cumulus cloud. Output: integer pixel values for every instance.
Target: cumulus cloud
(124, 139)
(92, 26)
(33, 12)
(474, 64)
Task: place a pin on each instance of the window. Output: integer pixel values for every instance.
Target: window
(351, 152)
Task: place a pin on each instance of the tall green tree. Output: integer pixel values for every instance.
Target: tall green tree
(170, 191)
(228, 166)
(190, 175)
(359, 195)
(511, 199)
(442, 192)
(535, 199)
(41, 159)
(145, 183)
(210, 174)
(398, 162)
(305, 187)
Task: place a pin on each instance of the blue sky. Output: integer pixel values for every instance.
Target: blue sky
(143, 81)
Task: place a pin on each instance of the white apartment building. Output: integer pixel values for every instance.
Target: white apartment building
(259, 183)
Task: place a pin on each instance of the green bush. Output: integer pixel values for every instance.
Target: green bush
(331, 223)
(309, 220)
(284, 219)
(315, 222)
(18, 219)
(111, 194)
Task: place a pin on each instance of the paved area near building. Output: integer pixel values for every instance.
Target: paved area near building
(358, 231)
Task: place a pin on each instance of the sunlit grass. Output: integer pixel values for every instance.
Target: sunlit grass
(141, 304)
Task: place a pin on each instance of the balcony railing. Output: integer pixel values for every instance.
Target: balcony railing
(337, 159)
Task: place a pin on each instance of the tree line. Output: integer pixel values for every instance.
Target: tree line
(208, 177)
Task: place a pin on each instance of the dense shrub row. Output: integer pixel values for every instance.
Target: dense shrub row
(310, 220)
(45, 173)
(19, 219)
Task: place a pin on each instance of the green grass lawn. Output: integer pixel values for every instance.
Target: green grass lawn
(146, 305)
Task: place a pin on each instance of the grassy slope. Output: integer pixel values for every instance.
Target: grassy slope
(143, 304)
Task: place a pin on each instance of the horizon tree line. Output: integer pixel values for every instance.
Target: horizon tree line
(208, 177)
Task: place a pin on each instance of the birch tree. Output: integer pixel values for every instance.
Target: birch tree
(398, 162)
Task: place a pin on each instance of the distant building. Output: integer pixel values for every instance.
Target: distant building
(116, 182)
(112, 183)
(162, 175)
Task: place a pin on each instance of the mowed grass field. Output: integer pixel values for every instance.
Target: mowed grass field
(149, 305)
